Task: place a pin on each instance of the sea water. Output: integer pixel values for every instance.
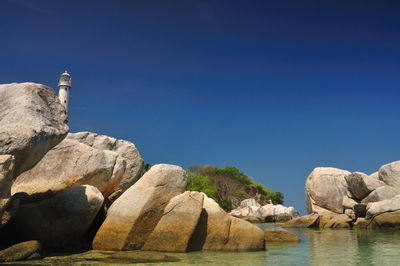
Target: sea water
(317, 247)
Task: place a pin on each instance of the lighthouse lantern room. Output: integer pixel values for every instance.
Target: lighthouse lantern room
(64, 86)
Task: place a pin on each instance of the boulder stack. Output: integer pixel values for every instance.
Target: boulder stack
(342, 199)
(32, 121)
(251, 211)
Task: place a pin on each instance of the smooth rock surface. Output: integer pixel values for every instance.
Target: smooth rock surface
(325, 188)
(381, 193)
(390, 174)
(278, 213)
(125, 149)
(280, 236)
(64, 218)
(32, 121)
(68, 165)
(307, 221)
(248, 203)
(219, 231)
(339, 221)
(376, 208)
(134, 215)
(177, 224)
(348, 203)
(212, 233)
(244, 236)
(388, 220)
(23, 251)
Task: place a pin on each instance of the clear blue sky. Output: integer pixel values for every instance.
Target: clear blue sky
(274, 88)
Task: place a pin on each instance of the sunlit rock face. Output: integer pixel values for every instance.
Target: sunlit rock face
(109, 164)
(342, 199)
(134, 215)
(32, 121)
(325, 188)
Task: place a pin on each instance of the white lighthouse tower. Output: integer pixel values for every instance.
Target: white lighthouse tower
(64, 86)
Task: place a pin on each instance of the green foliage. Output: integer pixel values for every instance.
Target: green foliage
(201, 183)
(233, 173)
(146, 168)
(227, 185)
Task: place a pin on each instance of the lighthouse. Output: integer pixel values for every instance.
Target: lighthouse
(64, 86)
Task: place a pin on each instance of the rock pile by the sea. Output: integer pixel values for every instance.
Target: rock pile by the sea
(251, 211)
(83, 158)
(87, 189)
(32, 121)
(339, 199)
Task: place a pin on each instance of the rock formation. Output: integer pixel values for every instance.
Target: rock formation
(251, 211)
(29, 250)
(280, 236)
(341, 199)
(134, 215)
(32, 121)
(83, 159)
(6, 176)
(177, 224)
(219, 231)
(59, 220)
(125, 149)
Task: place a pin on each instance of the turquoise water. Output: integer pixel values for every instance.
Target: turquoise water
(318, 247)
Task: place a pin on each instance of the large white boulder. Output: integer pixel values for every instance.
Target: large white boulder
(125, 149)
(325, 188)
(390, 174)
(68, 165)
(389, 205)
(219, 231)
(381, 193)
(178, 223)
(134, 215)
(248, 203)
(278, 213)
(32, 121)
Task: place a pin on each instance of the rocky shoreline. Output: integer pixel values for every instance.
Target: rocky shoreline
(85, 190)
(253, 212)
(339, 199)
(61, 191)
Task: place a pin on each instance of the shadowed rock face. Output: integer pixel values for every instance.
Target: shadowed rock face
(32, 121)
(64, 218)
(28, 250)
(6, 175)
(134, 215)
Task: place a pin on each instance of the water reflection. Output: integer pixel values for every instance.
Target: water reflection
(318, 247)
(353, 247)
